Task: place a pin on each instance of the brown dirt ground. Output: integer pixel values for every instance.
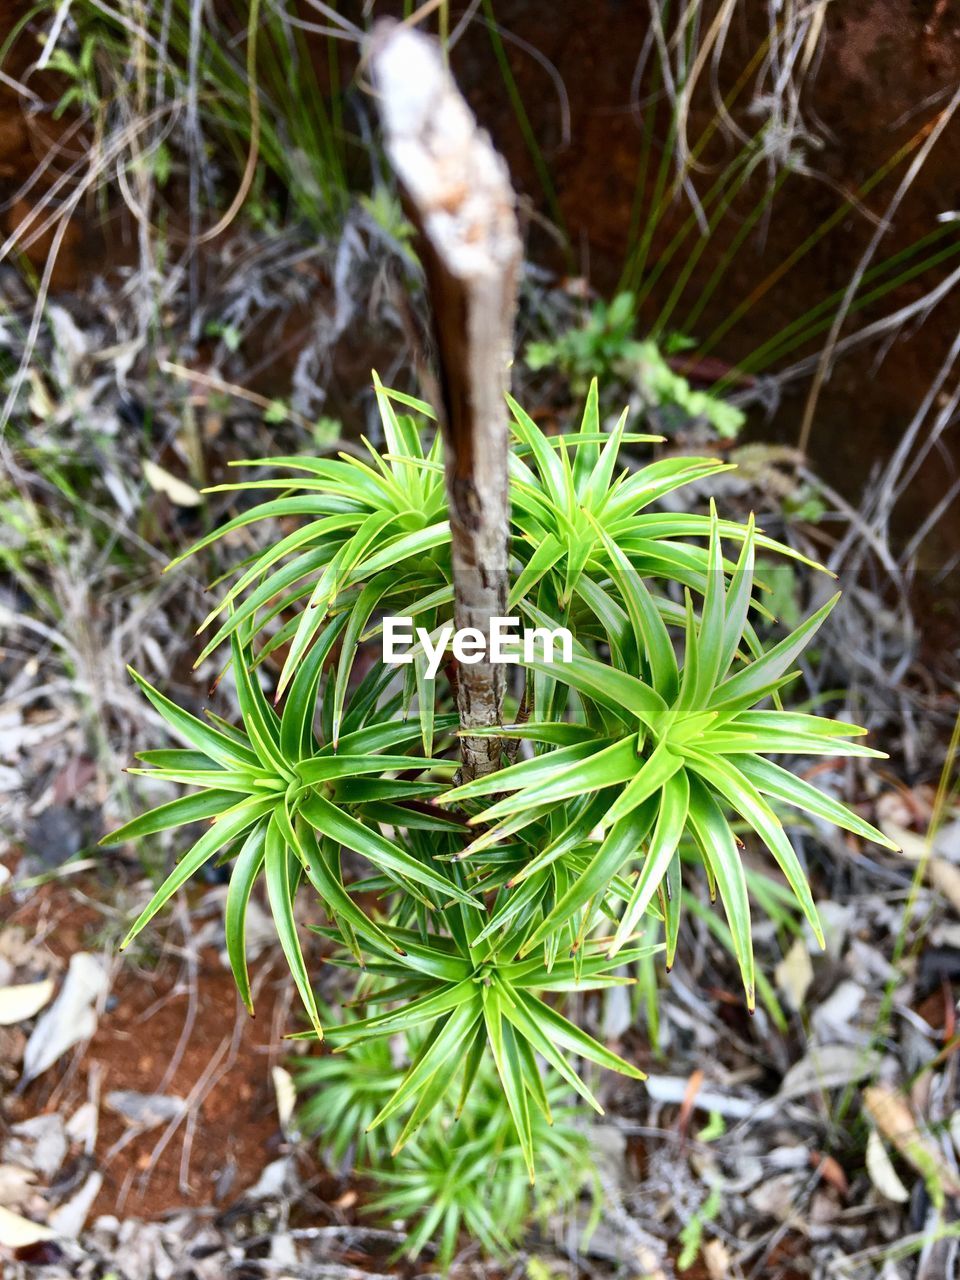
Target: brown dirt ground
(236, 1131)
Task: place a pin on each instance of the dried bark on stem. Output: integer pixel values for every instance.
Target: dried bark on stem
(457, 193)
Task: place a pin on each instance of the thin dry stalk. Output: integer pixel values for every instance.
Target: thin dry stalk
(829, 348)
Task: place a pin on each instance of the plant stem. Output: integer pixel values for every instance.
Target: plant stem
(457, 193)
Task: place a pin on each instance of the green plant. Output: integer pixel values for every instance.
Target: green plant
(83, 91)
(668, 752)
(775, 900)
(604, 347)
(691, 1234)
(481, 907)
(341, 1094)
(467, 1172)
(264, 105)
(600, 348)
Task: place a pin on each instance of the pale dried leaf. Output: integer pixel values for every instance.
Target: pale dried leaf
(71, 1018)
(70, 344)
(40, 402)
(836, 919)
(896, 817)
(882, 1173)
(178, 491)
(913, 846)
(83, 1124)
(673, 1089)
(15, 1184)
(794, 974)
(271, 1181)
(608, 1152)
(891, 1113)
(283, 1250)
(19, 1233)
(16, 944)
(145, 1110)
(946, 843)
(19, 1003)
(39, 1143)
(286, 1092)
(828, 1067)
(69, 1218)
(716, 1258)
(945, 878)
(777, 1197)
(618, 1016)
(836, 1019)
(11, 779)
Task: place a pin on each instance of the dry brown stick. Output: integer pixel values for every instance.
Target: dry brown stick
(457, 193)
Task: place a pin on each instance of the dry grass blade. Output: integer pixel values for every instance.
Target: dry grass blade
(933, 132)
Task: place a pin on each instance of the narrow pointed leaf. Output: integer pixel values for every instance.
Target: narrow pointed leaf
(231, 824)
(202, 736)
(719, 849)
(176, 813)
(669, 827)
(279, 866)
(346, 830)
(772, 780)
(242, 879)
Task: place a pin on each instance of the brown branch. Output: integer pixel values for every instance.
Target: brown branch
(457, 193)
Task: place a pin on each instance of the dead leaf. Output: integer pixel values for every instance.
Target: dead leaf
(71, 1018)
(13, 1041)
(39, 1143)
(608, 1152)
(286, 1092)
(897, 817)
(82, 1126)
(618, 1013)
(283, 1252)
(891, 1113)
(15, 1185)
(794, 974)
(20, 1003)
(831, 1171)
(144, 1110)
(178, 491)
(648, 1264)
(16, 944)
(827, 1066)
(716, 1258)
(907, 806)
(946, 842)
(68, 1219)
(20, 1233)
(777, 1198)
(70, 345)
(40, 403)
(945, 878)
(271, 1181)
(835, 1020)
(882, 1173)
(673, 1089)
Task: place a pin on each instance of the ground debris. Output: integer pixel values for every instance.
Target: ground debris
(71, 1018)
